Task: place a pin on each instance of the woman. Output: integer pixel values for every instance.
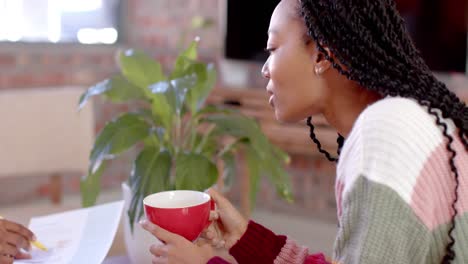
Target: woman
(402, 175)
(13, 238)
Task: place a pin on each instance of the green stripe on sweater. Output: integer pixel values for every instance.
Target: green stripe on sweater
(378, 226)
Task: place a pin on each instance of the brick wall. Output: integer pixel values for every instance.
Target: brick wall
(155, 27)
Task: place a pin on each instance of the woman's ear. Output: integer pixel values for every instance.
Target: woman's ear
(321, 62)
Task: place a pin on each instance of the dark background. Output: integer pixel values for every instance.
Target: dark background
(438, 28)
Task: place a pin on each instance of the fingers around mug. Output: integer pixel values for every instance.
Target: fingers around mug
(201, 241)
(214, 215)
(209, 234)
(218, 198)
(160, 233)
(159, 250)
(220, 244)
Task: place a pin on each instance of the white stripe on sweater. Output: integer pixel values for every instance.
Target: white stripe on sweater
(390, 143)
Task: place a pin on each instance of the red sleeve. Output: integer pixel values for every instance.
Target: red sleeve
(312, 259)
(316, 259)
(217, 260)
(260, 245)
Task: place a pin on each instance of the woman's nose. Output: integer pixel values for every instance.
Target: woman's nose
(266, 71)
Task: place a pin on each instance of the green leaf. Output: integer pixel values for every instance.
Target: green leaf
(254, 164)
(204, 139)
(230, 169)
(281, 155)
(184, 60)
(207, 145)
(159, 180)
(122, 90)
(180, 87)
(155, 137)
(199, 22)
(90, 186)
(191, 52)
(269, 158)
(118, 136)
(161, 108)
(174, 91)
(206, 79)
(233, 145)
(140, 69)
(235, 125)
(195, 172)
(152, 141)
(150, 174)
(279, 177)
(97, 89)
(117, 89)
(214, 109)
(241, 127)
(146, 114)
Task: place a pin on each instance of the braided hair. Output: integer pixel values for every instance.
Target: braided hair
(365, 37)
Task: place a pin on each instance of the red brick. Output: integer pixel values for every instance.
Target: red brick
(300, 162)
(46, 59)
(144, 21)
(91, 59)
(3, 82)
(19, 80)
(51, 79)
(75, 59)
(63, 59)
(7, 60)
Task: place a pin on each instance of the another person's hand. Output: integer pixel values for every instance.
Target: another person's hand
(228, 226)
(13, 238)
(176, 249)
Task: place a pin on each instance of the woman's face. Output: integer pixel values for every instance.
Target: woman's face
(296, 90)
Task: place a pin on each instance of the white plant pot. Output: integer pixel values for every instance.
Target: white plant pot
(139, 242)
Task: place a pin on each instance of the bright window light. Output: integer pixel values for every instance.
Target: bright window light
(59, 21)
(88, 36)
(80, 5)
(11, 26)
(54, 21)
(108, 35)
(97, 36)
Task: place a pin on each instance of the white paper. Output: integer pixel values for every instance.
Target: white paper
(75, 237)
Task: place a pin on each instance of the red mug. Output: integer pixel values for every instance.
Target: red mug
(185, 213)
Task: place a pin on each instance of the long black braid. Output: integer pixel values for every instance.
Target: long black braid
(371, 45)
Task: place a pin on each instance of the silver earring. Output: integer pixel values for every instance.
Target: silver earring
(318, 70)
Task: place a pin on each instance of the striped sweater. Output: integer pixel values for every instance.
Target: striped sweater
(394, 191)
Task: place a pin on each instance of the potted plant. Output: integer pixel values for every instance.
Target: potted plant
(179, 138)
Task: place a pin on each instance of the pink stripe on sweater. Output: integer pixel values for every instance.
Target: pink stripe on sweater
(291, 253)
(434, 190)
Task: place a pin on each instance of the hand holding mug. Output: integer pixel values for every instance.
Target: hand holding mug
(177, 218)
(228, 226)
(176, 249)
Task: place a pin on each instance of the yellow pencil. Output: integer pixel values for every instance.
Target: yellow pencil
(36, 243)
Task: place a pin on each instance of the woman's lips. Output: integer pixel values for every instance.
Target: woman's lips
(271, 101)
(272, 98)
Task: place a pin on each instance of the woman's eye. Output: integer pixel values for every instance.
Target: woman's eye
(269, 50)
